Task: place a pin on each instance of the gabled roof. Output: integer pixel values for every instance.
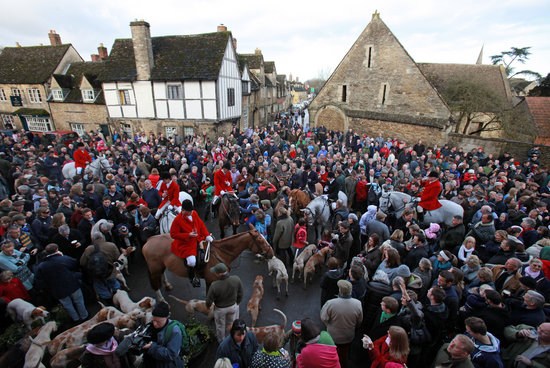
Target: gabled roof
(539, 108)
(254, 82)
(269, 66)
(175, 58)
(30, 65)
(491, 77)
(254, 60)
(72, 81)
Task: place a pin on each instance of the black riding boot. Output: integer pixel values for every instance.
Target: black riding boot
(195, 281)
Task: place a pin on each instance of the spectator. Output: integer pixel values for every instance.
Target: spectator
(393, 348)
(282, 237)
(319, 350)
(240, 346)
(328, 284)
(487, 346)
(507, 277)
(271, 356)
(16, 262)
(378, 227)
(455, 354)
(529, 346)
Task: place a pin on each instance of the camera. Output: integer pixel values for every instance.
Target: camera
(139, 338)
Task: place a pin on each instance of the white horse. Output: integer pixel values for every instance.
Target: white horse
(95, 168)
(317, 215)
(396, 202)
(168, 216)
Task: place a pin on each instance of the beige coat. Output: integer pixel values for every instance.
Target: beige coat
(342, 316)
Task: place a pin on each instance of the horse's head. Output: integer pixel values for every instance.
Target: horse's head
(385, 202)
(308, 215)
(234, 211)
(259, 243)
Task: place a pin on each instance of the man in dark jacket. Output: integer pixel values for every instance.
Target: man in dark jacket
(417, 252)
(41, 225)
(85, 225)
(454, 235)
(239, 346)
(151, 195)
(58, 274)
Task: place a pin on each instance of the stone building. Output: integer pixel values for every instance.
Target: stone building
(25, 83)
(77, 101)
(189, 84)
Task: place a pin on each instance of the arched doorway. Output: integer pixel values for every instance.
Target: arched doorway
(332, 118)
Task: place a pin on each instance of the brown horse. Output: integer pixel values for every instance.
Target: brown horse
(298, 200)
(159, 257)
(229, 214)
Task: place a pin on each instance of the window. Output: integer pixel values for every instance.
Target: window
(8, 120)
(88, 95)
(16, 92)
(369, 58)
(57, 94)
(173, 91)
(231, 97)
(2, 95)
(34, 95)
(344, 93)
(124, 97)
(188, 131)
(170, 131)
(384, 93)
(126, 128)
(39, 124)
(245, 88)
(79, 128)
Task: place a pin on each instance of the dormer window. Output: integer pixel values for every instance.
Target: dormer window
(88, 95)
(57, 94)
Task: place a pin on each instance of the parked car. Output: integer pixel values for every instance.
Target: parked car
(65, 137)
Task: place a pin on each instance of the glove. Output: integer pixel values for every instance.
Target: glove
(170, 208)
(209, 239)
(227, 183)
(222, 192)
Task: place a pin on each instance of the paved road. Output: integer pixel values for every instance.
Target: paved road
(300, 303)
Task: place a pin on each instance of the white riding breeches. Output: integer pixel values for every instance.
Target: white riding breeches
(78, 170)
(191, 261)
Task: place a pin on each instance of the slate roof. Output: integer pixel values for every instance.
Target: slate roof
(281, 79)
(269, 67)
(539, 108)
(30, 65)
(489, 76)
(254, 61)
(72, 80)
(175, 58)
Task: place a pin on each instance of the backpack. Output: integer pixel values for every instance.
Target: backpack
(185, 341)
(98, 265)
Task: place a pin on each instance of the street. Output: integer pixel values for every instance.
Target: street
(299, 304)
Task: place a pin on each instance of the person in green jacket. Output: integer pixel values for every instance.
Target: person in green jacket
(529, 347)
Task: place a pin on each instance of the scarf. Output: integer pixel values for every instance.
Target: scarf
(385, 316)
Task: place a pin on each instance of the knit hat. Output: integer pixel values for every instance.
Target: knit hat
(353, 216)
(100, 333)
(162, 309)
(297, 327)
(431, 232)
(344, 287)
(403, 271)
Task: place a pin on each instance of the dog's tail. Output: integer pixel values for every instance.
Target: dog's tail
(282, 315)
(184, 302)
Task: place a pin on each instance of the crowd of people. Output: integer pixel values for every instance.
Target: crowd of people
(397, 291)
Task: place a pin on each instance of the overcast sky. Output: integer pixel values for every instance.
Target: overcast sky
(305, 38)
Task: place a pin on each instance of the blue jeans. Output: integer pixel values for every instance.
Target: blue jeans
(105, 289)
(74, 305)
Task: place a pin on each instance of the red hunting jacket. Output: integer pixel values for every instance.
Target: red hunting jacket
(184, 245)
(222, 182)
(428, 198)
(173, 194)
(80, 158)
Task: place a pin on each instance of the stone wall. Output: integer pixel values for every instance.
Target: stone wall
(210, 129)
(89, 115)
(498, 146)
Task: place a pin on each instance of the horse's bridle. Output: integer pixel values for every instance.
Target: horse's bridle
(317, 215)
(390, 209)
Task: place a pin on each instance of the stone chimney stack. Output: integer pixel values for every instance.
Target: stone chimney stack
(143, 49)
(221, 28)
(235, 44)
(95, 58)
(102, 52)
(17, 44)
(258, 51)
(55, 39)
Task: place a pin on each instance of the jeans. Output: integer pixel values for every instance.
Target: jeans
(105, 289)
(224, 317)
(74, 305)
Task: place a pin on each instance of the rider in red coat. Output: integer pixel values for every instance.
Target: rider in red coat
(222, 184)
(188, 230)
(81, 158)
(430, 192)
(170, 194)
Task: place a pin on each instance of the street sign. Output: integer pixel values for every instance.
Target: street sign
(16, 101)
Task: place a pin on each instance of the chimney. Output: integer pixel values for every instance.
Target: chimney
(55, 39)
(102, 52)
(95, 58)
(235, 44)
(17, 44)
(222, 28)
(258, 51)
(143, 49)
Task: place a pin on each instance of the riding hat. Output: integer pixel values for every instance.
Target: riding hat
(187, 205)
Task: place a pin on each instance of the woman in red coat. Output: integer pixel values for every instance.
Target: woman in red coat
(188, 230)
(389, 350)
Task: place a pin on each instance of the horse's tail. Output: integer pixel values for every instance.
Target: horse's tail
(282, 315)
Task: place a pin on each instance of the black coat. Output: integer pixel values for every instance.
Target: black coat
(452, 237)
(65, 245)
(375, 292)
(58, 275)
